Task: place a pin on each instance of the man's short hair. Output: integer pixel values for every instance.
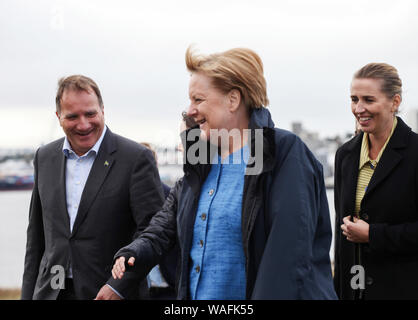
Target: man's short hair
(77, 83)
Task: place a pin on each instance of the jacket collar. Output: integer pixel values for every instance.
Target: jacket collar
(67, 149)
(400, 136)
(391, 156)
(398, 139)
(389, 160)
(98, 173)
(261, 118)
(364, 153)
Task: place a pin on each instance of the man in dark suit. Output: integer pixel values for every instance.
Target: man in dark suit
(94, 190)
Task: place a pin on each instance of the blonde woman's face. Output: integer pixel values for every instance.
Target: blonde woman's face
(373, 110)
(209, 107)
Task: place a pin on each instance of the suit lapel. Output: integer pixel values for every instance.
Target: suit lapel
(98, 173)
(58, 164)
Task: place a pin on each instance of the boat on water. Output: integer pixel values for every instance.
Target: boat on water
(16, 182)
(16, 175)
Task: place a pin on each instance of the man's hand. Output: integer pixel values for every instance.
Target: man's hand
(119, 267)
(106, 293)
(357, 231)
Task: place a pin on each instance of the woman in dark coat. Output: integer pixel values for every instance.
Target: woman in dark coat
(258, 228)
(376, 194)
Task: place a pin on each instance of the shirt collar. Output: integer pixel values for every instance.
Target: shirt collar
(240, 156)
(364, 152)
(67, 150)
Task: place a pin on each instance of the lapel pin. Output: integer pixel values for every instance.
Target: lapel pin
(106, 163)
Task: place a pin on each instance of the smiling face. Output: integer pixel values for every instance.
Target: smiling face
(82, 119)
(209, 106)
(373, 109)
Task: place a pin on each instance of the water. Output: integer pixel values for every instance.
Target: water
(14, 208)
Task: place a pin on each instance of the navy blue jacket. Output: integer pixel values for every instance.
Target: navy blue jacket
(285, 222)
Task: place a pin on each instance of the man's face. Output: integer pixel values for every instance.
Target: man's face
(81, 118)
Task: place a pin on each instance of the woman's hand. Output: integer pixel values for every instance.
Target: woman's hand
(357, 231)
(119, 267)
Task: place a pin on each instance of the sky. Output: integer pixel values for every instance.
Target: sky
(135, 51)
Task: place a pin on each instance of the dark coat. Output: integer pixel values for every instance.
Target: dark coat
(390, 206)
(285, 222)
(121, 194)
(169, 263)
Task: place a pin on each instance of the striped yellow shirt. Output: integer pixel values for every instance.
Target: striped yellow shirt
(367, 166)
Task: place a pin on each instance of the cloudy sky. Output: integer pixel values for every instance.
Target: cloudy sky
(135, 52)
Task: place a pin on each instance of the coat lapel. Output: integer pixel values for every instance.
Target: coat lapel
(59, 167)
(391, 157)
(98, 173)
(350, 171)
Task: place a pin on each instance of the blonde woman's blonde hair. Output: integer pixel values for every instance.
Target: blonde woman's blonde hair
(391, 83)
(238, 68)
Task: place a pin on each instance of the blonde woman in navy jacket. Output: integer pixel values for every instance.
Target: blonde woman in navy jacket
(280, 229)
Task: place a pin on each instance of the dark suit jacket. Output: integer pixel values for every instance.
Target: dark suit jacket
(390, 206)
(121, 194)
